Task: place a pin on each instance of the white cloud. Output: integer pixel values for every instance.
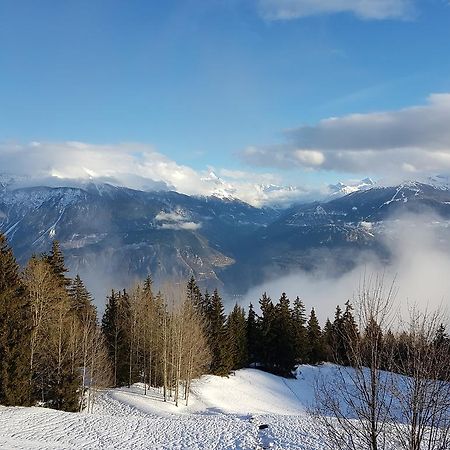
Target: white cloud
(169, 217)
(413, 140)
(420, 264)
(190, 226)
(309, 157)
(175, 220)
(365, 9)
(140, 167)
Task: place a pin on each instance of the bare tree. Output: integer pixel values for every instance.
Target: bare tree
(354, 405)
(422, 396)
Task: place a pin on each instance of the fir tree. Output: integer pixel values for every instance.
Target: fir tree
(148, 286)
(216, 320)
(194, 295)
(349, 334)
(299, 325)
(265, 325)
(236, 330)
(316, 350)
(252, 335)
(283, 338)
(115, 330)
(56, 261)
(328, 340)
(442, 338)
(15, 332)
(81, 301)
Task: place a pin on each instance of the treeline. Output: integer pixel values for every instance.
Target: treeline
(54, 352)
(51, 347)
(155, 339)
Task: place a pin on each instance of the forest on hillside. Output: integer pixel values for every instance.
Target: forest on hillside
(56, 352)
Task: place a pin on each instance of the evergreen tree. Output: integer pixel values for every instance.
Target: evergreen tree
(220, 361)
(266, 347)
(236, 330)
(316, 348)
(15, 331)
(336, 341)
(283, 338)
(346, 334)
(115, 329)
(194, 295)
(81, 301)
(252, 335)
(148, 286)
(56, 261)
(350, 332)
(299, 324)
(442, 338)
(328, 340)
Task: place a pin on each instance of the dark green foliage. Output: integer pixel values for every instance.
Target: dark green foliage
(299, 326)
(345, 335)
(236, 350)
(115, 328)
(195, 296)
(328, 341)
(266, 343)
(283, 338)
(220, 361)
(315, 341)
(371, 340)
(275, 334)
(148, 286)
(442, 338)
(81, 301)
(252, 335)
(15, 329)
(56, 261)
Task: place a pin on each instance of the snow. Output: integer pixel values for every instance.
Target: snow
(223, 413)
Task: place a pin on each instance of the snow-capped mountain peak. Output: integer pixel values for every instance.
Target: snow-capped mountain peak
(340, 189)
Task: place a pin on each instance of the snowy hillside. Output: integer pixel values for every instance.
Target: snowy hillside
(224, 413)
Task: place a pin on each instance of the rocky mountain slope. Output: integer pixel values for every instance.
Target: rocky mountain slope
(114, 235)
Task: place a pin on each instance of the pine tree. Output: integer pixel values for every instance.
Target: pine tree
(115, 328)
(336, 340)
(349, 334)
(442, 338)
(283, 338)
(148, 286)
(252, 335)
(299, 324)
(316, 349)
(328, 340)
(15, 331)
(194, 295)
(81, 301)
(56, 261)
(220, 362)
(236, 331)
(266, 347)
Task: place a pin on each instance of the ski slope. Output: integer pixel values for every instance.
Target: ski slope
(223, 413)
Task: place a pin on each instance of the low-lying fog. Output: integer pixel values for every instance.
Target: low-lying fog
(420, 270)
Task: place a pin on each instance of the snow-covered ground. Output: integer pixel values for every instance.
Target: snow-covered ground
(223, 413)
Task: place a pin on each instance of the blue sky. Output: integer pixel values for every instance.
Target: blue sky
(204, 81)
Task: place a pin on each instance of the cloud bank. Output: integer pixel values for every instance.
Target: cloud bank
(140, 166)
(175, 221)
(406, 143)
(419, 268)
(364, 9)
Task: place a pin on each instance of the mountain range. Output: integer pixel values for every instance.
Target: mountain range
(113, 235)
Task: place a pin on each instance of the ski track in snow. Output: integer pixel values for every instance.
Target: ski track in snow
(223, 413)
